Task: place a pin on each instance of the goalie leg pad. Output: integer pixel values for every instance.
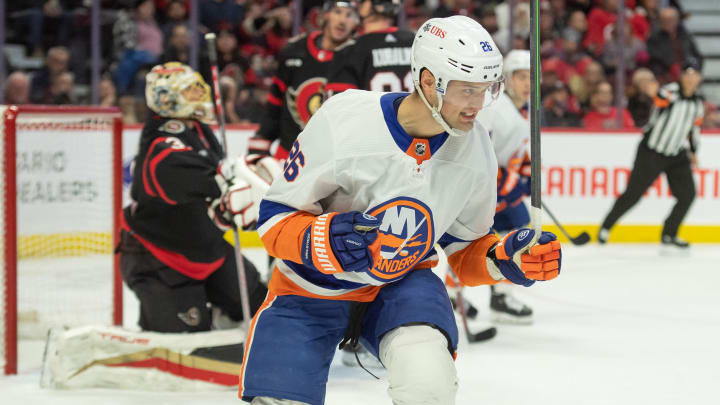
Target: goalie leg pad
(111, 357)
(421, 371)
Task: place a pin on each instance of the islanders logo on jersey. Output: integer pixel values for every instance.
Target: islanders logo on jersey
(305, 99)
(406, 235)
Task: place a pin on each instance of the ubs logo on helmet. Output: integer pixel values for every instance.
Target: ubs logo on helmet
(405, 234)
(435, 30)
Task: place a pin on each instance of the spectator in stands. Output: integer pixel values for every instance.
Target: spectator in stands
(61, 90)
(601, 17)
(17, 88)
(43, 17)
(178, 47)
(591, 74)
(577, 20)
(521, 25)
(651, 10)
(548, 34)
(632, 51)
(56, 63)
(583, 6)
(268, 27)
(108, 95)
(569, 51)
(230, 60)
(175, 14)
(670, 46)
(641, 93)
(218, 14)
(557, 111)
(138, 42)
(488, 19)
(602, 114)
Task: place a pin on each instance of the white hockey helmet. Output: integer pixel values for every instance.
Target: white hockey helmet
(456, 48)
(175, 90)
(517, 59)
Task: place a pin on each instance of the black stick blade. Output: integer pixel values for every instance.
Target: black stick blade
(481, 336)
(581, 239)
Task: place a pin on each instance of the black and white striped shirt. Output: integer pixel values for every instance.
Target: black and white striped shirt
(675, 121)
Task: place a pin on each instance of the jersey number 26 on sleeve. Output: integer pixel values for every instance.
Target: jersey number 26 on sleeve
(294, 162)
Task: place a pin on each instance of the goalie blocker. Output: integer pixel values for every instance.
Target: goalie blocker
(112, 357)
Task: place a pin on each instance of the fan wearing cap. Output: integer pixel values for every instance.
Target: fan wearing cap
(669, 145)
(374, 183)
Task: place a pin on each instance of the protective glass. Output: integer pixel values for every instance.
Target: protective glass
(473, 94)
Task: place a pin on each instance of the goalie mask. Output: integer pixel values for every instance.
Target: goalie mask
(465, 62)
(174, 90)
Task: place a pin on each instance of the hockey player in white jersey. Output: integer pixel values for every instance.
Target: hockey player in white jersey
(372, 183)
(510, 134)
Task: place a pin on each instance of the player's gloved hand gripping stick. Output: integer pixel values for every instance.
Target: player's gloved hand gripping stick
(541, 262)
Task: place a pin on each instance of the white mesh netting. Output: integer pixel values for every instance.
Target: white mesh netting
(64, 165)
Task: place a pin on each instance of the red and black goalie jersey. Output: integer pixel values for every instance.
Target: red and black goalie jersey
(297, 90)
(173, 178)
(377, 61)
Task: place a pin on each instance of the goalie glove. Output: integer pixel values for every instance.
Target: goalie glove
(541, 262)
(234, 206)
(242, 185)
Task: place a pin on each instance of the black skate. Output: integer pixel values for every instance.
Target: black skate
(674, 241)
(504, 308)
(470, 311)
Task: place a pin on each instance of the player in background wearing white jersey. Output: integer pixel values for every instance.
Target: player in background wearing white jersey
(372, 183)
(510, 134)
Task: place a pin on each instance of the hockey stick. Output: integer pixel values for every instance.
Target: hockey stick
(535, 155)
(581, 239)
(481, 336)
(244, 295)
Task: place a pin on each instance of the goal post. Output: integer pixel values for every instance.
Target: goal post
(61, 201)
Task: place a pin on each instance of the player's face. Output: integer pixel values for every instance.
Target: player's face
(463, 100)
(520, 83)
(341, 22)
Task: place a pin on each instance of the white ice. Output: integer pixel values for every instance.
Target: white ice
(622, 324)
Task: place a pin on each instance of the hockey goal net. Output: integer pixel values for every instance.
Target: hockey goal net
(61, 194)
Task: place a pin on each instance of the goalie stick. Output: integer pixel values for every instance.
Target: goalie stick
(244, 296)
(579, 240)
(481, 336)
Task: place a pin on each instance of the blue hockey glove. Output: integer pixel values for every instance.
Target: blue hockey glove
(542, 262)
(341, 242)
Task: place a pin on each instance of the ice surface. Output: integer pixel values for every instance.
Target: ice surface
(623, 324)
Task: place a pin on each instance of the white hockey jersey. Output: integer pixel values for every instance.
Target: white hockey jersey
(509, 130)
(353, 155)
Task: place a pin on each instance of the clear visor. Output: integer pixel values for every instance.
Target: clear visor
(473, 94)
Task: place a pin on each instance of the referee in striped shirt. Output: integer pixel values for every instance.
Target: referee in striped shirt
(670, 140)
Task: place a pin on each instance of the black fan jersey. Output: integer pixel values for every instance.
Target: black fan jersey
(297, 89)
(377, 61)
(173, 178)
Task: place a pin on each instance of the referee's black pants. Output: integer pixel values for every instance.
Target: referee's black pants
(648, 165)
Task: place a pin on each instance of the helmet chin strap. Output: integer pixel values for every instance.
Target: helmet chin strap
(435, 111)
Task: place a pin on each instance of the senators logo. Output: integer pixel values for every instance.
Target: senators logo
(305, 99)
(406, 236)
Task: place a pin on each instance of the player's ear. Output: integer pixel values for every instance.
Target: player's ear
(427, 83)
